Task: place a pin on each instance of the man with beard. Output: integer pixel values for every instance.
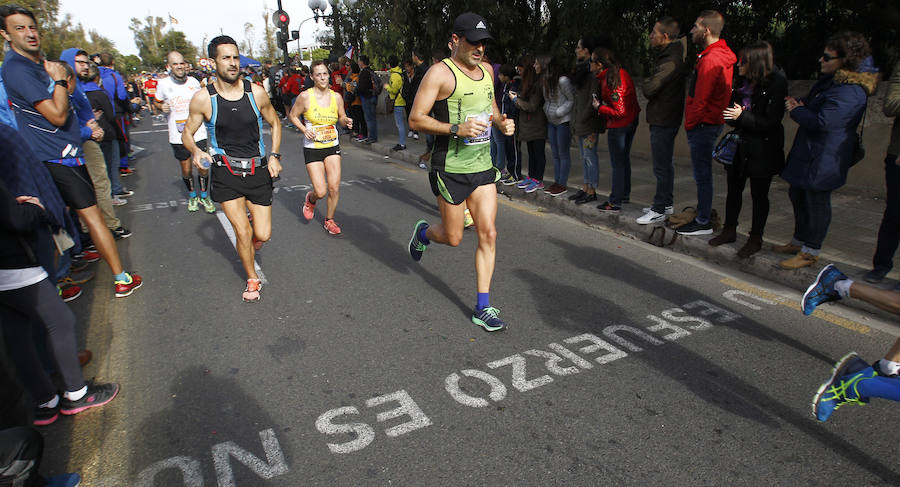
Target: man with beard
(173, 96)
(233, 110)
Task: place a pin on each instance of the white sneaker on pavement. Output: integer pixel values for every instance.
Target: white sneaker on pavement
(651, 217)
(669, 210)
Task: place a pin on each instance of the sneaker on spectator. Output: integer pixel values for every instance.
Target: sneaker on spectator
(670, 210)
(422, 165)
(534, 186)
(509, 180)
(78, 266)
(69, 293)
(409, 134)
(125, 288)
(45, 416)
(193, 204)
(116, 201)
(577, 195)
(586, 198)
(64, 480)
(876, 275)
(415, 136)
(556, 190)
(651, 217)
(125, 193)
(122, 232)
(87, 256)
(524, 182)
(695, 228)
(398, 147)
(125, 171)
(96, 396)
(75, 278)
(608, 207)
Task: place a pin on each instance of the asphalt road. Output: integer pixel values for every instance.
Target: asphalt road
(623, 364)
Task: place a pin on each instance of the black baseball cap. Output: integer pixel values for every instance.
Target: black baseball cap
(472, 26)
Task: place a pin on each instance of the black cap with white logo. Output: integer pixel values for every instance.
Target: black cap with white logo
(472, 26)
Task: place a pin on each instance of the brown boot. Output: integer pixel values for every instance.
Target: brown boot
(728, 235)
(787, 248)
(802, 259)
(753, 245)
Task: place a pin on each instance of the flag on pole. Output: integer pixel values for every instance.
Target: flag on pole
(172, 20)
(349, 53)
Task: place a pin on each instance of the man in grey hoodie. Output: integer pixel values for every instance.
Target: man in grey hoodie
(665, 91)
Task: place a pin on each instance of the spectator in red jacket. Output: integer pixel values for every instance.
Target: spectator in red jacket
(290, 89)
(709, 94)
(618, 103)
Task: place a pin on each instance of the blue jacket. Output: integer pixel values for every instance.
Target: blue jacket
(820, 157)
(7, 117)
(114, 86)
(82, 106)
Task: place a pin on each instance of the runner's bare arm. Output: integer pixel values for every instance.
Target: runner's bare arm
(439, 83)
(269, 115)
(200, 110)
(343, 119)
(300, 105)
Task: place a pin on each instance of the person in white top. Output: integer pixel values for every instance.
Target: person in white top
(173, 96)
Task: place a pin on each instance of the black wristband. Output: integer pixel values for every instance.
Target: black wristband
(61, 82)
(276, 154)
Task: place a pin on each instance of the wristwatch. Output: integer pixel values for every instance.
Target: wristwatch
(61, 82)
(454, 129)
(276, 154)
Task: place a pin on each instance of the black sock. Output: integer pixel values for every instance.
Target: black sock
(204, 183)
(189, 183)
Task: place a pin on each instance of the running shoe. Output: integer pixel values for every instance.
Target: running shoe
(841, 388)
(822, 289)
(417, 248)
(534, 186)
(251, 292)
(45, 416)
(116, 201)
(97, 395)
(64, 480)
(87, 256)
(70, 293)
(332, 227)
(669, 210)
(125, 193)
(524, 182)
(309, 209)
(193, 203)
(489, 319)
(124, 171)
(208, 204)
(467, 219)
(125, 288)
(121, 232)
(75, 279)
(422, 165)
(509, 180)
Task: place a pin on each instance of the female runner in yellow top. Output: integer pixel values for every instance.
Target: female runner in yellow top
(321, 109)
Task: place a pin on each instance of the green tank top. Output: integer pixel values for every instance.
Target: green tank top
(470, 99)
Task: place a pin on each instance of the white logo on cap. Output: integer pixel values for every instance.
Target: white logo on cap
(481, 25)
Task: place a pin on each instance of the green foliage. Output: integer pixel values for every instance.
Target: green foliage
(153, 44)
(59, 34)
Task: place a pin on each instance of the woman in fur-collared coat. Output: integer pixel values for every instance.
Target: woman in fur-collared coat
(826, 141)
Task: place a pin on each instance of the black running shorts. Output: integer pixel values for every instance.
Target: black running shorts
(225, 186)
(74, 184)
(181, 152)
(455, 188)
(319, 155)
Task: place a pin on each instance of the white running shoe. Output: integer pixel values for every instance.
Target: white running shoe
(651, 217)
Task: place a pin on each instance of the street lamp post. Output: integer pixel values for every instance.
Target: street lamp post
(318, 7)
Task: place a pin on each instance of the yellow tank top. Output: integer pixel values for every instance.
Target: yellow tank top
(322, 122)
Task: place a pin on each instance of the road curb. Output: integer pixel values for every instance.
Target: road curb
(763, 264)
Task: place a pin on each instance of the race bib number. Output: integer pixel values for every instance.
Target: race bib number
(325, 133)
(484, 137)
(179, 125)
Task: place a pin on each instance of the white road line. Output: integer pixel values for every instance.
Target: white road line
(226, 225)
(133, 132)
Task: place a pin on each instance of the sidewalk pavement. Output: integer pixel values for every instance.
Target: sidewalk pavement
(850, 243)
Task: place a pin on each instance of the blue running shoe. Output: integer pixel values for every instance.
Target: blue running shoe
(489, 319)
(524, 182)
(822, 289)
(64, 480)
(417, 248)
(840, 389)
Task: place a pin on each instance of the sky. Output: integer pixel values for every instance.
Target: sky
(195, 18)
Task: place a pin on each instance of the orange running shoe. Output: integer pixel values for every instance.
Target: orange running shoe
(332, 227)
(308, 208)
(251, 293)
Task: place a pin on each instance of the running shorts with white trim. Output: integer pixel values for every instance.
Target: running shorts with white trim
(319, 155)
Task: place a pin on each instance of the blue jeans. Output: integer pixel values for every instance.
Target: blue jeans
(662, 147)
(590, 159)
(702, 141)
(111, 154)
(560, 140)
(400, 120)
(619, 140)
(368, 104)
(498, 149)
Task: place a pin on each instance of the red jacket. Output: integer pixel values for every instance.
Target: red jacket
(620, 106)
(291, 84)
(709, 88)
(335, 85)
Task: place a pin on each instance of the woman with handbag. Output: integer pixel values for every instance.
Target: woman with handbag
(826, 141)
(756, 111)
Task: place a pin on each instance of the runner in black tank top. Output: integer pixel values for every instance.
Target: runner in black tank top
(241, 174)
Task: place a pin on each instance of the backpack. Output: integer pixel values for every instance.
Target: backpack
(377, 85)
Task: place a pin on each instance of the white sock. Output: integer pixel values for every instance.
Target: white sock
(51, 403)
(75, 395)
(888, 368)
(843, 287)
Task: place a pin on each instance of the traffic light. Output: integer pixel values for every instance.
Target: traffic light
(281, 20)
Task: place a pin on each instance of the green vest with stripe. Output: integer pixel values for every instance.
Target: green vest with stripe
(470, 99)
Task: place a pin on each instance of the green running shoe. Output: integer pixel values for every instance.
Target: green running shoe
(489, 319)
(193, 204)
(208, 205)
(417, 248)
(841, 388)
